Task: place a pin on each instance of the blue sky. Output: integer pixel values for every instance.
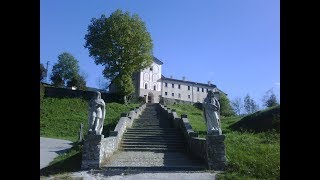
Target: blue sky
(233, 43)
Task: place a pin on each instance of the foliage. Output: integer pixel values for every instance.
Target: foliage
(225, 107)
(77, 81)
(43, 72)
(237, 105)
(260, 121)
(42, 89)
(64, 70)
(250, 105)
(250, 155)
(122, 44)
(270, 99)
(61, 117)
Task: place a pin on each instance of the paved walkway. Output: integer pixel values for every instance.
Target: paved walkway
(51, 148)
(147, 176)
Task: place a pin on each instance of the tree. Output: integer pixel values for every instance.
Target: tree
(66, 68)
(77, 81)
(43, 72)
(237, 105)
(122, 44)
(250, 105)
(225, 107)
(57, 80)
(270, 99)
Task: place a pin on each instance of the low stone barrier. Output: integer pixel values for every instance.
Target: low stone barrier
(196, 146)
(210, 149)
(97, 149)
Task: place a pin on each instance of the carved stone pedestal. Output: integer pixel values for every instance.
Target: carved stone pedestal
(216, 152)
(91, 151)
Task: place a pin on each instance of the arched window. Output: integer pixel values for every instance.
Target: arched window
(146, 86)
(154, 87)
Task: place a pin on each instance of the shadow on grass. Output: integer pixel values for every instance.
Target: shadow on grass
(107, 128)
(68, 162)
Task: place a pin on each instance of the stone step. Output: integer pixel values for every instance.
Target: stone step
(153, 143)
(151, 129)
(154, 135)
(141, 140)
(154, 149)
(139, 145)
(153, 132)
(132, 169)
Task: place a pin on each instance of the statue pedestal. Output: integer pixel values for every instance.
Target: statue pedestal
(216, 152)
(91, 151)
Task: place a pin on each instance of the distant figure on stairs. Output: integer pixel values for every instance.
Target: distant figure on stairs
(211, 109)
(97, 112)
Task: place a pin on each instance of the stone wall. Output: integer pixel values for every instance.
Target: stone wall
(168, 101)
(196, 146)
(97, 149)
(55, 92)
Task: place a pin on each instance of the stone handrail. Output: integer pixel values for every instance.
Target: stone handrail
(196, 145)
(97, 149)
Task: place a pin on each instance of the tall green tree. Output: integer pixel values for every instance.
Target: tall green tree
(122, 44)
(225, 106)
(270, 99)
(77, 81)
(43, 72)
(65, 69)
(250, 105)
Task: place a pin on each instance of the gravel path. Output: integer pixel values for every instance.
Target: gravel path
(51, 148)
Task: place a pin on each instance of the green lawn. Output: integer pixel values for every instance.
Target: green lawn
(250, 155)
(61, 118)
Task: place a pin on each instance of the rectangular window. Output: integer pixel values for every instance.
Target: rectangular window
(166, 84)
(202, 89)
(165, 93)
(179, 95)
(154, 87)
(172, 85)
(172, 94)
(189, 96)
(178, 86)
(188, 87)
(198, 89)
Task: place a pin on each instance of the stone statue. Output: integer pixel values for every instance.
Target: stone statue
(211, 112)
(97, 112)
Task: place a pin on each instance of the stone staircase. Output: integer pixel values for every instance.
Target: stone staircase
(151, 132)
(152, 144)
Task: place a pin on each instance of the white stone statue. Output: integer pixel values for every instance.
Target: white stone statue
(97, 113)
(211, 112)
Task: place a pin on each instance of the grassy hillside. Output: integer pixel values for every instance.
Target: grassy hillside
(61, 118)
(250, 155)
(260, 121)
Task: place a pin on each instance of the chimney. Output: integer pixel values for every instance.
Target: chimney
(183, 78)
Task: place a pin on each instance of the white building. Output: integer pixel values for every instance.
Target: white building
(151, 84)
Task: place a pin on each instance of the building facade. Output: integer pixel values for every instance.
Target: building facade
(152, 85)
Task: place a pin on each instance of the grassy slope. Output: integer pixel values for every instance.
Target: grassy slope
(250, 155)
(61, 118)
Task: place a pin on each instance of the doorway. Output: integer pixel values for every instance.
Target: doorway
(150, 97)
